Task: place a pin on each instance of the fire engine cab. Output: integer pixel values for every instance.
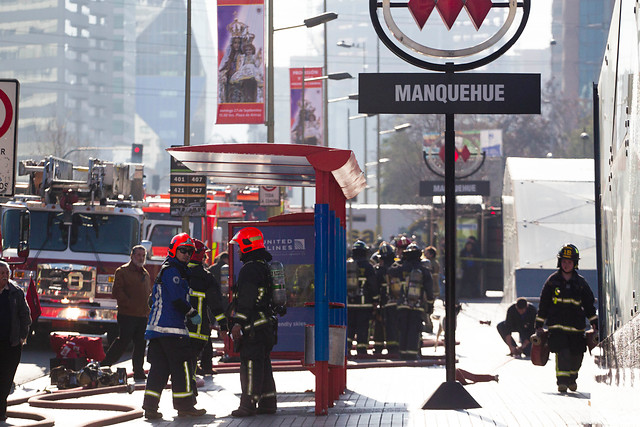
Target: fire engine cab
(81, 230)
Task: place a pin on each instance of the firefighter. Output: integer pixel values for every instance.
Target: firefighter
(389, 294)
(169, 350)
(206, 297)
(363, 296)
(416, 294)
(254, 324)
(566, 300)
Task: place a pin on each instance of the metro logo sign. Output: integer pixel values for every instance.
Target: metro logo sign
(449, 10)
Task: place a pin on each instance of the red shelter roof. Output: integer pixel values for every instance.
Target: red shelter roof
(277, 164)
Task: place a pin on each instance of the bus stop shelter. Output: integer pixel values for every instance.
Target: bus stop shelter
(337, 177)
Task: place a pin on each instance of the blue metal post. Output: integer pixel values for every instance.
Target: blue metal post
(321, 283)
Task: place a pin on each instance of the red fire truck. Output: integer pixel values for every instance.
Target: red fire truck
(81, 230)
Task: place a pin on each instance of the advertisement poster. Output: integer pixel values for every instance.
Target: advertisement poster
(241, 69)
(306, 107)
(294, 246)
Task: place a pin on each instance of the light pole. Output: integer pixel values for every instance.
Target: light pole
(398, 128)
(309, 23)
(584, 136)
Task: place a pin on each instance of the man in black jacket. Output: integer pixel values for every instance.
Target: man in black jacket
(206, 298)
(521, 318)
(254, 325)
(566, 300)
(15, 319)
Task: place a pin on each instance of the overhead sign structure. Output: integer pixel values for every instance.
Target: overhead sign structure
(187, 191)
(438, 93)
(449, 94)
(8, 135)
(462, 188)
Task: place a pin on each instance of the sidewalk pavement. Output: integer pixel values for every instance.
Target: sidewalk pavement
(524, 396)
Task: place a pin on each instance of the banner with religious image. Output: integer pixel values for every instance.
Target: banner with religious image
(306, 107)
(241, 65)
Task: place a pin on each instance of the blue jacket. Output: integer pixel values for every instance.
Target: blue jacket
(169, 301)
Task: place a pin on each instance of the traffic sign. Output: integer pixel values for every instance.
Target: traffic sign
(269, 196)
(8, 133)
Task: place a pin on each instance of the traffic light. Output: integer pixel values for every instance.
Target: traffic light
(136, 153)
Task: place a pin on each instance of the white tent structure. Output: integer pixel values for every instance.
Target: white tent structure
(545, 204)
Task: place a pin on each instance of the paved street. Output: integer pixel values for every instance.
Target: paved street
(524, 396)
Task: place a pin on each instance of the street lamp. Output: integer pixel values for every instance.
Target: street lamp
(584, 136)
(309, 23)
(364, 116)
(398, 128)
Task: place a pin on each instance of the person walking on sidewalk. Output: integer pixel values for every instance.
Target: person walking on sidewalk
(169, 349)
(565, 301)
(204, 296)
(521, 318)
(131, 289)
(254, 325)
(15, 319)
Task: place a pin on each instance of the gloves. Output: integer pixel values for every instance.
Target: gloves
(194, 317)
(223, 325)
(196, 320)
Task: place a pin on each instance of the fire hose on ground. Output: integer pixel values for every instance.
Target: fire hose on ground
(56, 400)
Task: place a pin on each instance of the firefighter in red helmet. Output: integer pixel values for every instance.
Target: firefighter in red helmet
(254, 324)
(566, 300)
(169, 349)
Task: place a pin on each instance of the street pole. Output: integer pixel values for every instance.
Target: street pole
(187, 100)
(325, 87)
(378, 213)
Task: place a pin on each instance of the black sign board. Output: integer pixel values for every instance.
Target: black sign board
(462, 188)
(187, 191)
(449, 93)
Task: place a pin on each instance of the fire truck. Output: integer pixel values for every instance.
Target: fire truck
(81, 230)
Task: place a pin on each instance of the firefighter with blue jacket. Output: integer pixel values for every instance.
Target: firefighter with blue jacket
(206, 297)
(254, 330)
(169, 350)
(363, 295)
(416, 297)
(566, 301)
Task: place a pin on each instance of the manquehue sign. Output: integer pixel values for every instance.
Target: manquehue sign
(421, 93)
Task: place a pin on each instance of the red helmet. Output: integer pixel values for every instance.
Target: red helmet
(248, 239)
(402, 242)
(180, 240)
(200, 252)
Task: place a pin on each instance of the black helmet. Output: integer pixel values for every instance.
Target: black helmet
(359, 249)
(412, 252)
(569, 251)
(359, 245)
(386, 251)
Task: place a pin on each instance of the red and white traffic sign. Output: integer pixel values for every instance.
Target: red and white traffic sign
(8, 132)
(269, 196)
